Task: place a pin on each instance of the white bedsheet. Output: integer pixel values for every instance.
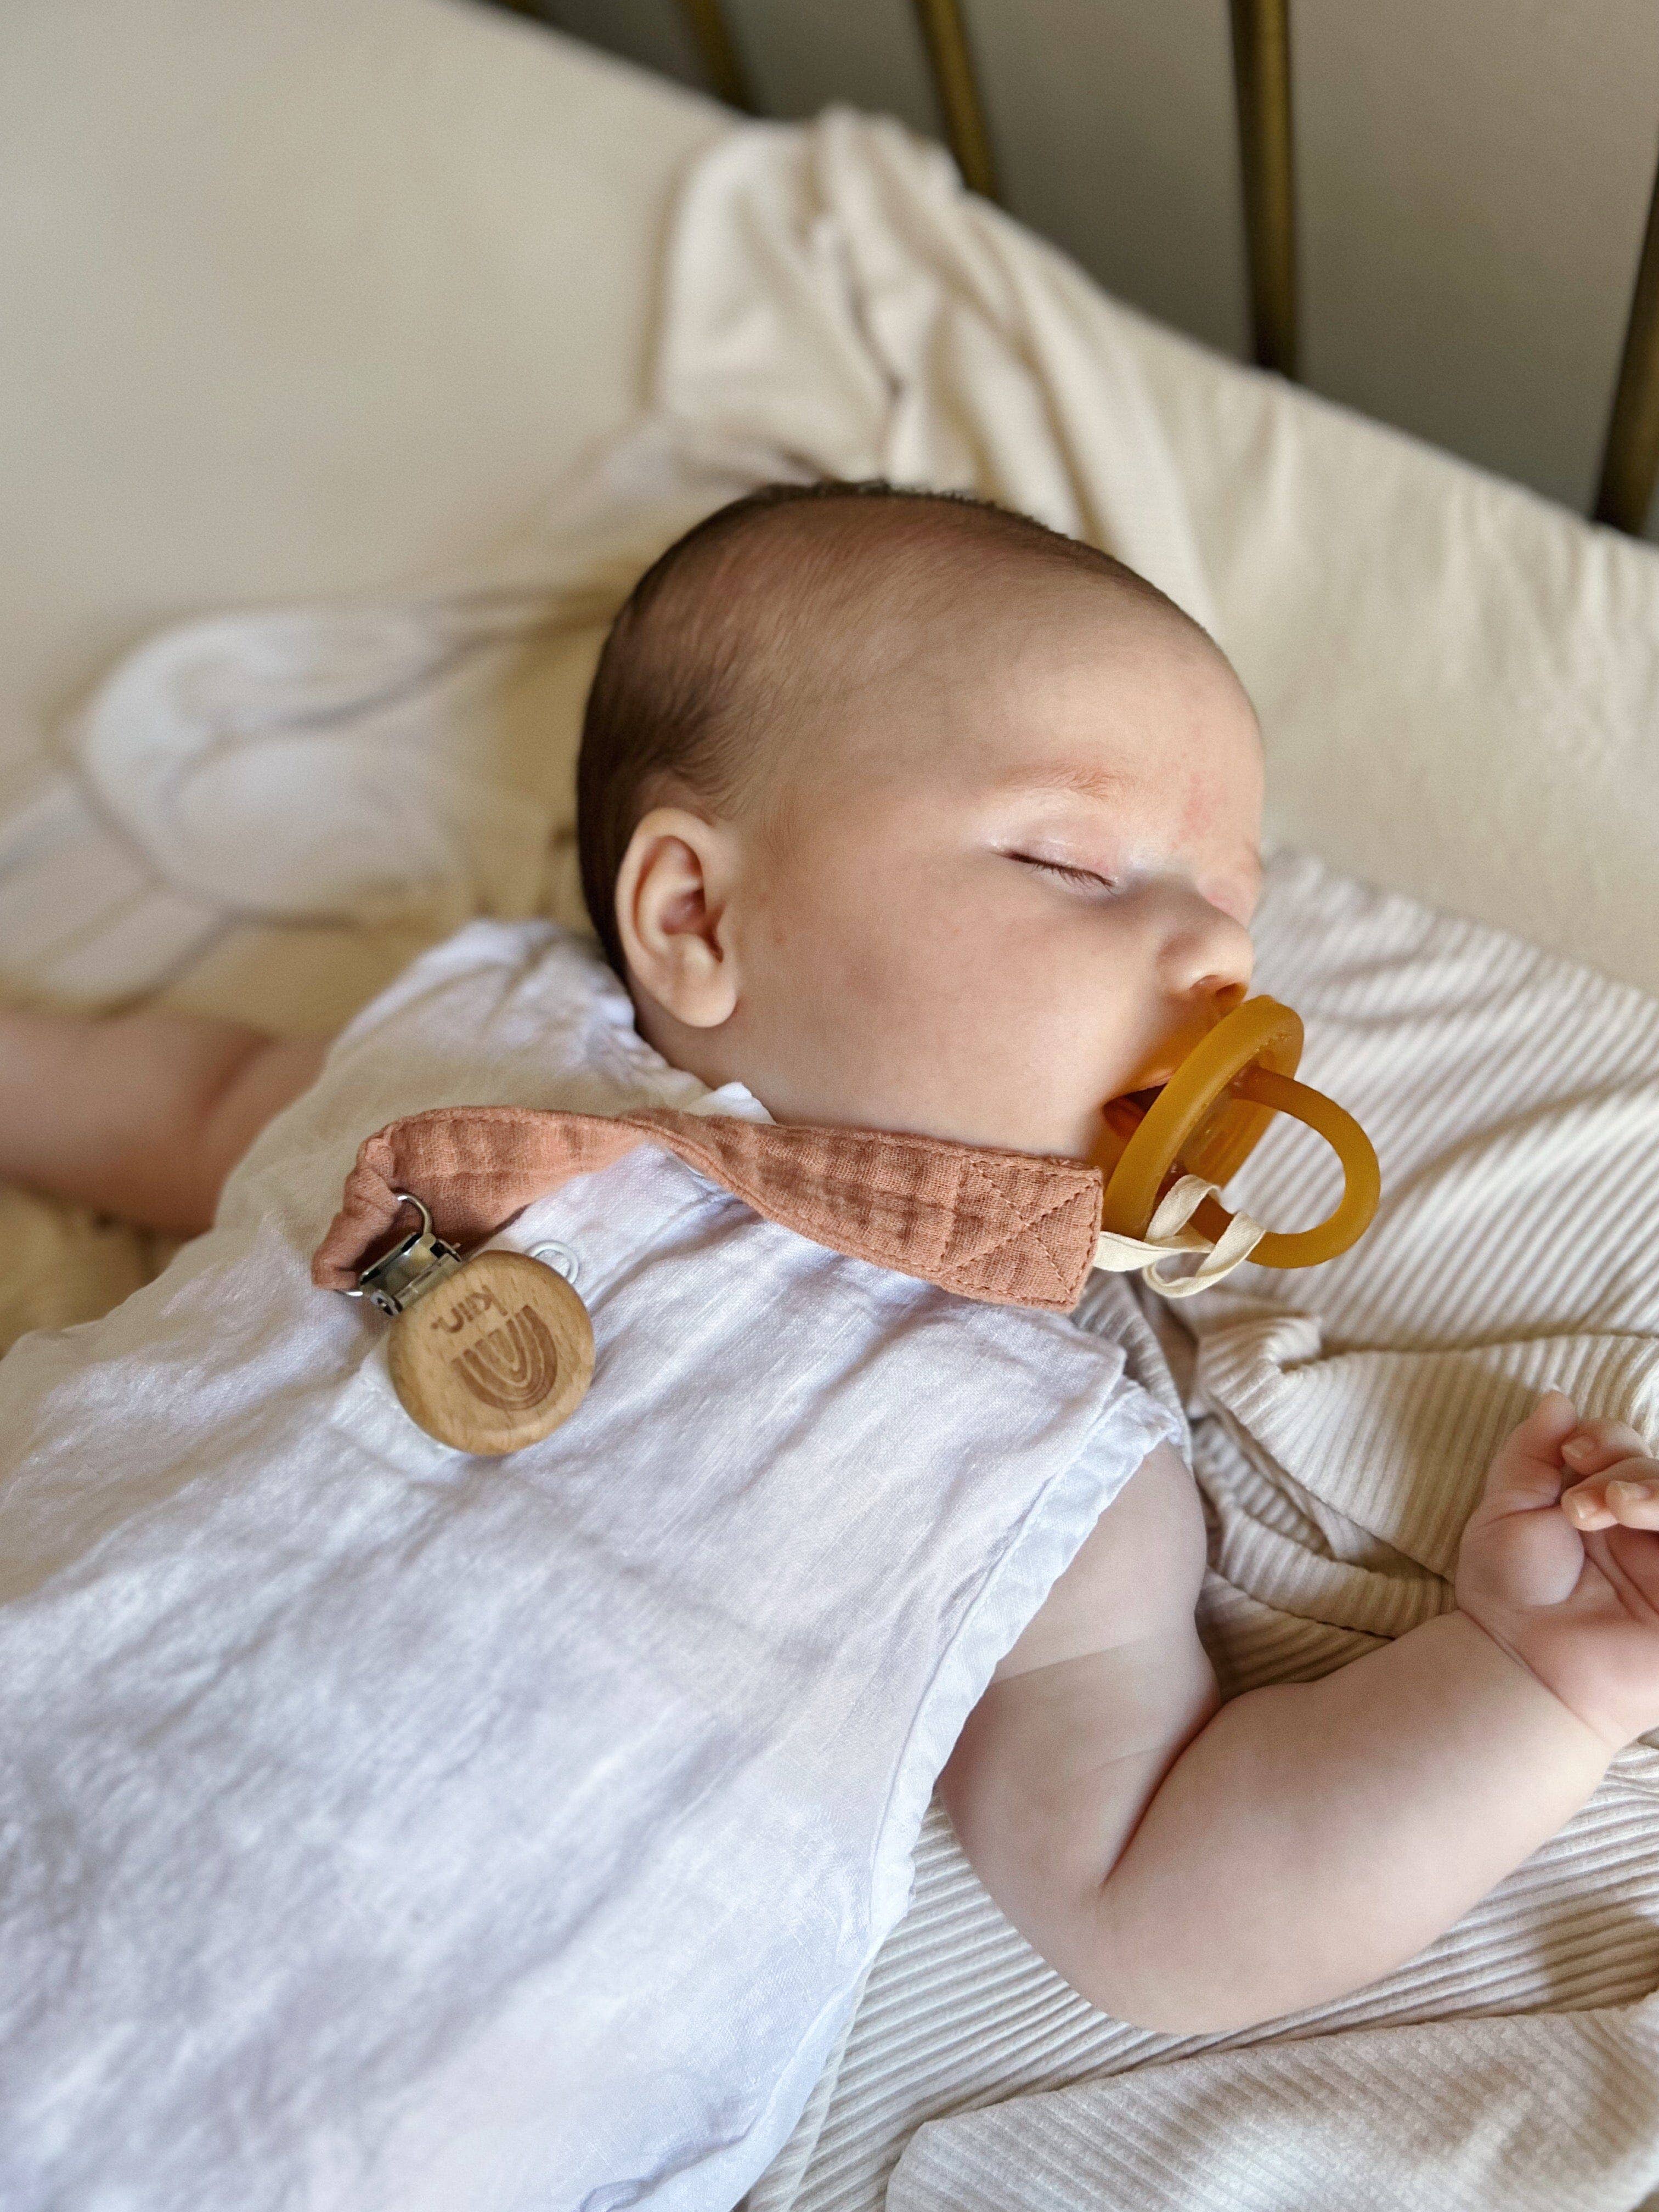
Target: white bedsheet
(1319, 2123)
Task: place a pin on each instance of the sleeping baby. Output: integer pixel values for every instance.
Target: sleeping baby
(898, 813)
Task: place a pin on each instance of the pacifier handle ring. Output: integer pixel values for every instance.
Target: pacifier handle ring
(1362, 1181)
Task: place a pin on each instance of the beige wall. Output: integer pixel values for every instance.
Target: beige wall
(1474, 179)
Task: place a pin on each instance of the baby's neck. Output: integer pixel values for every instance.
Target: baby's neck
(706, 1054)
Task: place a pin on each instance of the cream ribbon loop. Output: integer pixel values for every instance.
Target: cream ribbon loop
(1167, 1233)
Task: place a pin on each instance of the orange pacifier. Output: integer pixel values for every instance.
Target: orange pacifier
(1164, 1160)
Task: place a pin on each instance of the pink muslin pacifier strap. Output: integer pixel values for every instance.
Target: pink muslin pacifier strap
(1002, 1227)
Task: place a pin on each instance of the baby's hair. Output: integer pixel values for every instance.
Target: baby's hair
(706, 658)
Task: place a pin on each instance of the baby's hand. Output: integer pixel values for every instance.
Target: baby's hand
(1564, 1572)
(1619, 1485)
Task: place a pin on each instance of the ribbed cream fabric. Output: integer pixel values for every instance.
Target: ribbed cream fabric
(1327, 2121)
(1342, 1418)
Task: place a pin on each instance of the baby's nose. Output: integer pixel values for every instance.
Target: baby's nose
(1209, 956)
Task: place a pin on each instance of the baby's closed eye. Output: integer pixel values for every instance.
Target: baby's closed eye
(1060, 868)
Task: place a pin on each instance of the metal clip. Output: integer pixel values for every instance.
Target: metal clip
(408, 1270)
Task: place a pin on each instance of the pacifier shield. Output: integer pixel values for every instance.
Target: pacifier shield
(1196, 1123)
(1208, 1118)
(494, 1357)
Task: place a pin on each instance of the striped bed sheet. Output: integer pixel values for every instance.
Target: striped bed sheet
(1342, 1418)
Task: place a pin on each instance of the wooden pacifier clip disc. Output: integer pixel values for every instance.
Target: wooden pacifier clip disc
(486, 1354)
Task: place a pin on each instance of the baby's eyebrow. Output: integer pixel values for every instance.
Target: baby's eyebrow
(1091, 780)
(1082, 778)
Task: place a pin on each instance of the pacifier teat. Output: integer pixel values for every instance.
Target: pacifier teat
(1165, 1153)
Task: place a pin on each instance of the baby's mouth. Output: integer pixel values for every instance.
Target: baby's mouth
(1147, 1090)
(1141, 1101)
(1122, 1115)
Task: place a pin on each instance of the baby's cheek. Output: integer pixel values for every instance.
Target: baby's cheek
(1022, 1047)
(840, 960)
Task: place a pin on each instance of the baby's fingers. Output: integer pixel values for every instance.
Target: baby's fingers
(1625, 1495)
(1594, 1446)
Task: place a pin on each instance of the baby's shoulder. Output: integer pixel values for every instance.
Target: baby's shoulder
(1134, 1578)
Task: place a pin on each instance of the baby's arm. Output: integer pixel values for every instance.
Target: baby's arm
(1195, 1870)
(140, 1114)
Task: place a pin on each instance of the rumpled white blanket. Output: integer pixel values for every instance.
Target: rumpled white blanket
(266, 814)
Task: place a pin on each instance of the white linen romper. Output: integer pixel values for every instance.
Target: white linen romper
(384, 1829)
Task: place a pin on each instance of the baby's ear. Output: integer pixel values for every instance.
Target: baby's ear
(672, 892)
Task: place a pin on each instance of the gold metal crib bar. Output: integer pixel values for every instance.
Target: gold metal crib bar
(1629, 460)
(950, 58)
(728, 79)
(1262, 80)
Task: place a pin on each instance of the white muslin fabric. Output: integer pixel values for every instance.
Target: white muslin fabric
(387, 1830)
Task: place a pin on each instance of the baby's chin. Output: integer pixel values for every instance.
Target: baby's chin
(1004, 1113)
(1075, 1123)
(1083, 1137)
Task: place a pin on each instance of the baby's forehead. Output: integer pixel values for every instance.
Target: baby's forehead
(1027, 679)
(1003, 631)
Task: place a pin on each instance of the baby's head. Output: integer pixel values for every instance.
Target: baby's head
(907, 813)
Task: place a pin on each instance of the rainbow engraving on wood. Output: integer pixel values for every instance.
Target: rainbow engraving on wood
(494, 1357)
(512, 1367)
